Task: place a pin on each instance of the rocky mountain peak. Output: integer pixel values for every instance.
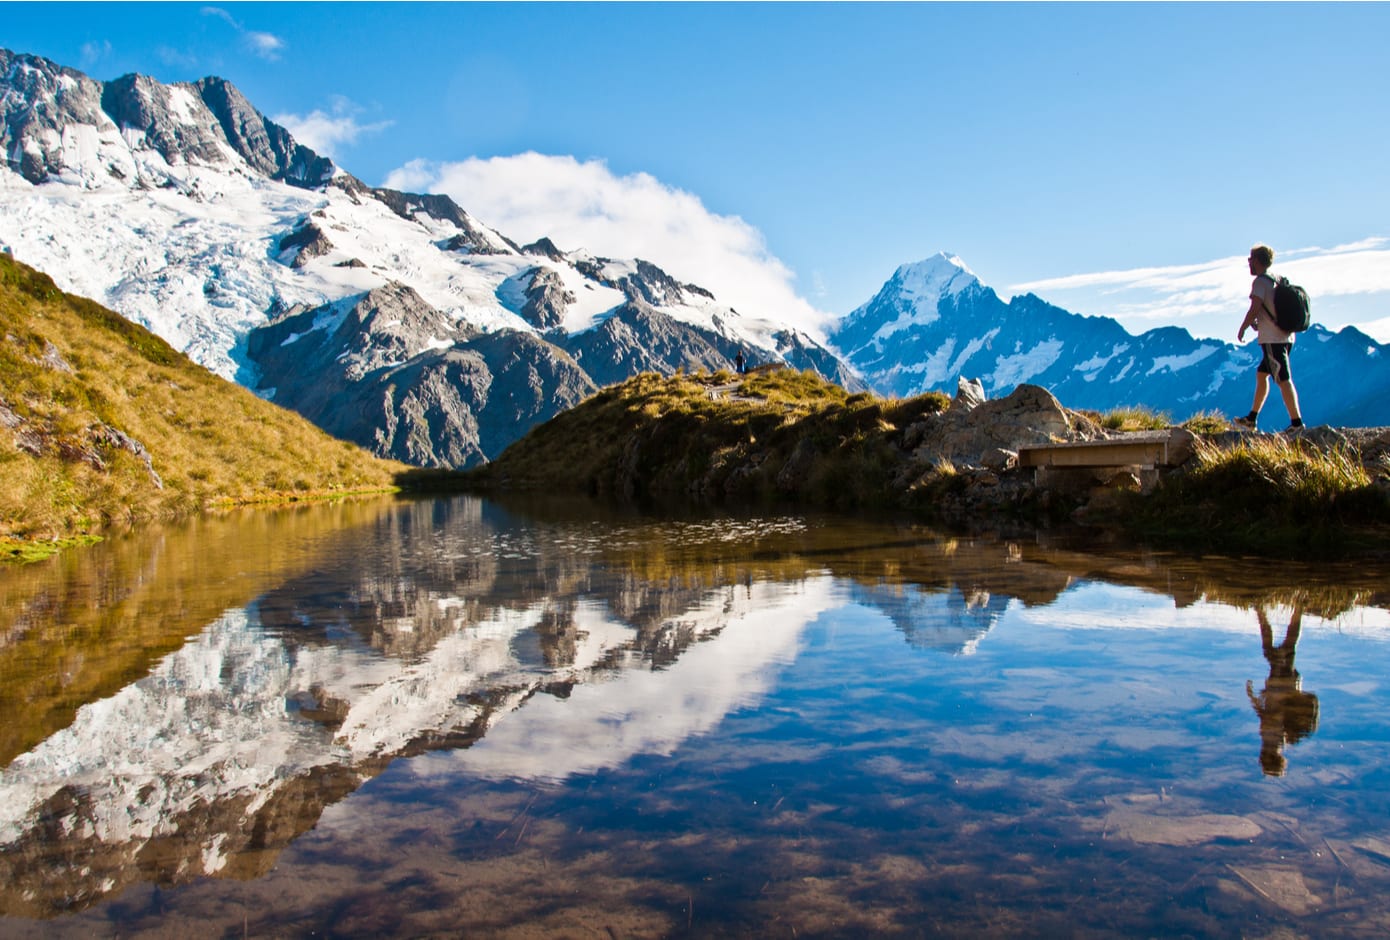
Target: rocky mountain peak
(545, 248)
(38, 98)
(266, 146)
(474, 238)
(49, 111)
(932, 278)
(546, 299)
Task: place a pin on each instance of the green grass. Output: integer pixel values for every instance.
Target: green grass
(1131, 418)
(791, 437)
(72, 371)
(782, 434)
(1137, 419)
(1142, 418)
(1267, 495)
(1207, 422)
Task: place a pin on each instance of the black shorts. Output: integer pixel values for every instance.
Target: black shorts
(1275, 361)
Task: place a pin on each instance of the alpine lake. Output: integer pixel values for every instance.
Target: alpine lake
(459, 717)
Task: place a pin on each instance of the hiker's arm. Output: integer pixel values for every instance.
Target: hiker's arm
(1249, 320)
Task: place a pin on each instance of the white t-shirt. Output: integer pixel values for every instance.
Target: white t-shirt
(1266, 329)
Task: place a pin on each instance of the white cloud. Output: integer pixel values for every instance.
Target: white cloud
(94, 52)
(1209, 298)
(584, 205)
(221, 14)
(325, 131)
(417, 176)
(265, 45)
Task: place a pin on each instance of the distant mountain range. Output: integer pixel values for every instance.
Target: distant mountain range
(398, 321)
(934, 321)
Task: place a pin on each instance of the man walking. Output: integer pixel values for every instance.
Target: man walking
(1274, 342)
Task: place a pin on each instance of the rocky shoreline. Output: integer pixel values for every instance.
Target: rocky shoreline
(982, 441)
(780, 439)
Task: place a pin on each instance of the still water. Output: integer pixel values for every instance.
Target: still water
(453, 717)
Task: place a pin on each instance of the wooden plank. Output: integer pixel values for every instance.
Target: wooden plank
(1145, 449)
(1102, 454)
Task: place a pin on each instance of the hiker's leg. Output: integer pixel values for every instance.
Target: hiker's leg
(1290, 400)
(1277, 358)
(1261, 392)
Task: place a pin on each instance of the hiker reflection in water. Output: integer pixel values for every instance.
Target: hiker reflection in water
(1287, 713)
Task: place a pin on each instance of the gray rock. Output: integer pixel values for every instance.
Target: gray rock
(999, 459)
(45, 98)
(545, 248)
(970, 394)
(269, 148)
(390, 372)
(652, 285)
(104, 435)
(474, 239)
(546, 299)
(964, 436)
(53, 359)
(310, 242)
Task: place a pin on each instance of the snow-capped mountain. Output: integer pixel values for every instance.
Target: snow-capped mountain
(399, 321)
(933, 322)
(186, 210)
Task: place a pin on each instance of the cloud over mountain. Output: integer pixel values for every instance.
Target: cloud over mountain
(585, 205)
(327, 132)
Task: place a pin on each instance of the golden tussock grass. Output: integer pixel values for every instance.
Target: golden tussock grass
(73, 373)
(1271, 495)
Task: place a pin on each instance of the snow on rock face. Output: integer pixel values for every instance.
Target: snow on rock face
(186, 210)
(910, 300)
(941, 275)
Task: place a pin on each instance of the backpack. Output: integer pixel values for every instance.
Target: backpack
(1290, 306)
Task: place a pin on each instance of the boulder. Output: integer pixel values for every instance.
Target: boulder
(970, 394)
(968, 435)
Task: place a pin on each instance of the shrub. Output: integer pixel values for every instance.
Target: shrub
(1207, 422)
(1134, 419)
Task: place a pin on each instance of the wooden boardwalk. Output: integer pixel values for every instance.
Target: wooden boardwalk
(1146, 449)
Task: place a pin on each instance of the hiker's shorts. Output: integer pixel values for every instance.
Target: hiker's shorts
(1276, 361)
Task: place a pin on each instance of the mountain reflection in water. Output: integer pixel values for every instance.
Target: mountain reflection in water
(400, 717)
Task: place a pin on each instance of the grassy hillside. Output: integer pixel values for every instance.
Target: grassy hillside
(102, 422)
(783, 436)
(707, 438)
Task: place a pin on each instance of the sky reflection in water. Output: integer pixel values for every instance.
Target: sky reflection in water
(415, 718)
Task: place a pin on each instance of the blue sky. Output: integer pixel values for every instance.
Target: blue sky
(1116, 159)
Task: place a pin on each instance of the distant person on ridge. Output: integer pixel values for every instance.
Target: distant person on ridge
(1274, 342)
(740, 362)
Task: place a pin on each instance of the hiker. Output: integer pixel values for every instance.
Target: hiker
(1274, 342)
(1287, 713)
(739, 361)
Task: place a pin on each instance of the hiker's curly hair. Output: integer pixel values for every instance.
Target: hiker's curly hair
(1263, 254)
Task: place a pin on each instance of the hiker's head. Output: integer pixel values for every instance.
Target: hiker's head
(1261, 255)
